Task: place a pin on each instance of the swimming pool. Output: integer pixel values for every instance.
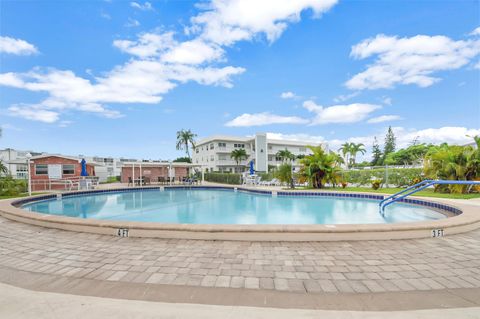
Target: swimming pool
(227, 206)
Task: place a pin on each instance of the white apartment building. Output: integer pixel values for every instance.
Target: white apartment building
(16, 162)
(213, 153)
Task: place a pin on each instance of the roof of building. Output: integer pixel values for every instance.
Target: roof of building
(230, 138)
(66, 157)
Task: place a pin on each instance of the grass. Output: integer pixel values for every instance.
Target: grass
(15, 196)
(423, 193)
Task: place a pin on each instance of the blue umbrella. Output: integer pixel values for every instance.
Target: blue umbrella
(84, 168)
(252, 171)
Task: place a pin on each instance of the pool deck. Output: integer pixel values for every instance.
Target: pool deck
(348, 275)
(47, 272)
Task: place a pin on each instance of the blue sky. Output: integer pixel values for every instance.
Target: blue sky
(119, 78)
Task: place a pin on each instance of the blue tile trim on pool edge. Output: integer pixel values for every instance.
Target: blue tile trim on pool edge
(443, 207)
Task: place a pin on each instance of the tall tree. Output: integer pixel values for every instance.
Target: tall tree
(320, 167)
(354, 149)
(238, 155)
(345, 150)
(390, 141)
(376, 153)
(285, 155)
(185, 138)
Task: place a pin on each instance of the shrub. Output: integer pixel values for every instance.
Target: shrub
(376, 184)
(224, 178)
(399, 177)
(12, 187)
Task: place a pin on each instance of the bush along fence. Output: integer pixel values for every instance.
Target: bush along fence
(397, 177)
(12, 187)
(224, 178)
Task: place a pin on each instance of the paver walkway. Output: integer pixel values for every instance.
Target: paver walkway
(312, 267)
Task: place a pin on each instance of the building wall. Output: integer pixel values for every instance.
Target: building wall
(218, 158)
(37, 184)
(152, 172)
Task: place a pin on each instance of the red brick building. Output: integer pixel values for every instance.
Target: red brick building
(51, 171)
(152, 171)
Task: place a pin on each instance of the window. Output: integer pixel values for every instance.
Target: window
(212, 158)
(278, 159)
(22, 171)
(197, 150)
(222, 144)
(302, 149)
(68, 169)
(270, 147)
(211, 146)
(41, 169)
(239, 145)
(222, 157)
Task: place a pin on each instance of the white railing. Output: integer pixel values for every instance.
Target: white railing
(65, 184)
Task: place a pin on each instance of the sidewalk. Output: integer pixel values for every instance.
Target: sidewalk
(17, 303)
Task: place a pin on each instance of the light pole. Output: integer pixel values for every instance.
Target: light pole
(29, 156)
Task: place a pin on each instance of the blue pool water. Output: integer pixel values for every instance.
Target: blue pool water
(228, 207)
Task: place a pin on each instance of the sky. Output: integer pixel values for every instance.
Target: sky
(120, 78)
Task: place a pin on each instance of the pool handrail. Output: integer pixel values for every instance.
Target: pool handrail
(418, 187)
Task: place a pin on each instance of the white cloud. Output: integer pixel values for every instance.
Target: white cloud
(404, 138)
(146, 6)
(411, 60)
(387, 100)
(33, 113)
(228, 21)
(475, 32)
(137, 81)
(349, 113)
(147, 45)
(345, 97)
(265, 118)
(384, 118)
(301, 137)
(193, 52)
(16, 46)
(288, 95)
(448, 134)
(105, 16)
(132, 23)
(160, 62)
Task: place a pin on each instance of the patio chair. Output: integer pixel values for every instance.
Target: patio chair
(130, 181)
(161, 180)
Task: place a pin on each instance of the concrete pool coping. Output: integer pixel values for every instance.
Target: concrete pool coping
(465, 221)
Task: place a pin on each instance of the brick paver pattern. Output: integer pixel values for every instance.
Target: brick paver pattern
(312, 267)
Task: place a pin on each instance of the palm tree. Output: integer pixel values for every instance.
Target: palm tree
(3, 168)
(453, 162)
(345, 149)
(354, 149)
(285, 155)
(238, 155)
(320, 167)
(185, 138)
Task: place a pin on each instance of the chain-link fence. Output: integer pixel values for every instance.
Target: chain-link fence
(387, 176)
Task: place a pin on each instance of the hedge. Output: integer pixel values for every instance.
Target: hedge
(12, 187)
(224, 178)
(399, 177)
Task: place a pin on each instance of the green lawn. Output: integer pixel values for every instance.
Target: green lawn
(15, 196)
(423, 193)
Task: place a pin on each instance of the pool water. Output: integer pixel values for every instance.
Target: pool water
(203, 206)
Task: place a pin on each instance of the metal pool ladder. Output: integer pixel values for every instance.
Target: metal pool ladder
(418, 187)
